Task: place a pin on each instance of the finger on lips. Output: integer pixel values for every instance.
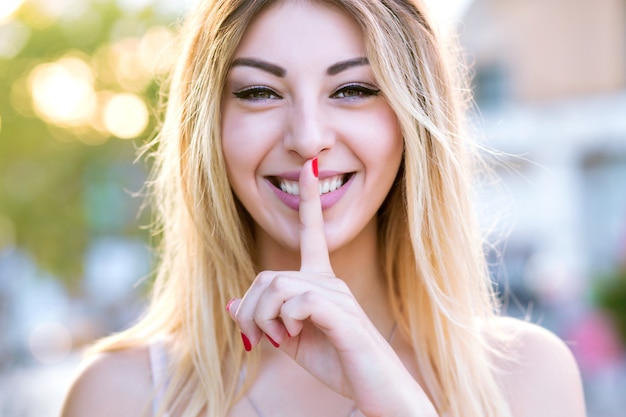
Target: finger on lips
(257, 316)
(313, 247)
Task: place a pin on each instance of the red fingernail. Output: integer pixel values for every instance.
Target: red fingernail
(276, 345)
(246, 342)
(315, 169)
(232, 300)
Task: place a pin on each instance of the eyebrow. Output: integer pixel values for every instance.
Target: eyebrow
(262, 65)
(344, 65)
(281, 72)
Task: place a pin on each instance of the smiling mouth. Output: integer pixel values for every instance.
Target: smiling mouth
(327, 185)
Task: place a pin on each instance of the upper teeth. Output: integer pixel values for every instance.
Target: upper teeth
(326, 185)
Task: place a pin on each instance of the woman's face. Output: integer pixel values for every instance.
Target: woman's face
(300, 87)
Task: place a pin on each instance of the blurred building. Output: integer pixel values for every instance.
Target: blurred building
(550, 83)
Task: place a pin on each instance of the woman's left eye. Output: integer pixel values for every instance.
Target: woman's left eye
(355, 91)
(256, 93)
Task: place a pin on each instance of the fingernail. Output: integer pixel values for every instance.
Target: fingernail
(230, 303)
(315, 169)
(276, 345)
(246, 342)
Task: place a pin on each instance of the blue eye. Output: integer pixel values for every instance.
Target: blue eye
(352, 91)
(256, 93)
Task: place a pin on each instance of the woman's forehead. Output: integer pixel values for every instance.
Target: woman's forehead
(302, 28)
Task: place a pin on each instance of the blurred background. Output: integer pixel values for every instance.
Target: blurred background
(79, 94)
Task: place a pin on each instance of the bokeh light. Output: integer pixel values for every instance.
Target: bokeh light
(63, 91)
(130, 72)
(156, 50)
(134, 5)
(54, 9)
(125, 115)
(13, 38)
(50, 342)
(8, 9)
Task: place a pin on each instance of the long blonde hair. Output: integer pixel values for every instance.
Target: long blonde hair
(430, 243)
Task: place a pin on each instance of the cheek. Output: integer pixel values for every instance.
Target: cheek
(393, 143)
(245, 141)
(382, 138)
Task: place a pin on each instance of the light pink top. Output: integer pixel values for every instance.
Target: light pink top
(158, 365)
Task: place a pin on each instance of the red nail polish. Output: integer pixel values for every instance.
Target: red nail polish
(232, 300)
(246, 342)
(315, 168)
(272, 341)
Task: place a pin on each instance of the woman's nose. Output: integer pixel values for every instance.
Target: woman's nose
(309, 132)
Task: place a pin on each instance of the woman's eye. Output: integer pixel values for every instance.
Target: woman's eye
(355, 91)
(256, 94)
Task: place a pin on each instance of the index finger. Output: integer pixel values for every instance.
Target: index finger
(313, 248)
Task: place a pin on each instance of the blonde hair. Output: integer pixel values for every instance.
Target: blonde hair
(430, 242)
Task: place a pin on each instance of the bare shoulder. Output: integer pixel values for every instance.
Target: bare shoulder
(112, 384)
(539, 372)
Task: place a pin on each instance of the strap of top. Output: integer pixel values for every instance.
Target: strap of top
(158, 366)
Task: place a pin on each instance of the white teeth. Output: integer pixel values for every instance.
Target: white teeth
(294, 189)
(327, 185)
(289, 187)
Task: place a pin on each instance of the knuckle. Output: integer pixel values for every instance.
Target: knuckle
(265, 278)
(279, 283)
(309, 297)
(340, 284)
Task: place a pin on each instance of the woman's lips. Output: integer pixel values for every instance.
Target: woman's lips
(333, 186)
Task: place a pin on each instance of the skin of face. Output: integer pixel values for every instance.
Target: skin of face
(300, 87)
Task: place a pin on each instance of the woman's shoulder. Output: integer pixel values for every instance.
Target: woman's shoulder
(117, 383)
(538, 370)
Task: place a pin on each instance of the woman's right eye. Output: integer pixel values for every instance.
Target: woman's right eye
(256, 93)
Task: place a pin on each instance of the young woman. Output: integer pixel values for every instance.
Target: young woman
(320, 255)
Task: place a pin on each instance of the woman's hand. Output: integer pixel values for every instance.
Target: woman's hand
(314, 318)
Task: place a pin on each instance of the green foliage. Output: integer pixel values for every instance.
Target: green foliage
(610, 296)
(62, 186)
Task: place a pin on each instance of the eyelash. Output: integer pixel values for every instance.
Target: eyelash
(360, 89)
(252, 93)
